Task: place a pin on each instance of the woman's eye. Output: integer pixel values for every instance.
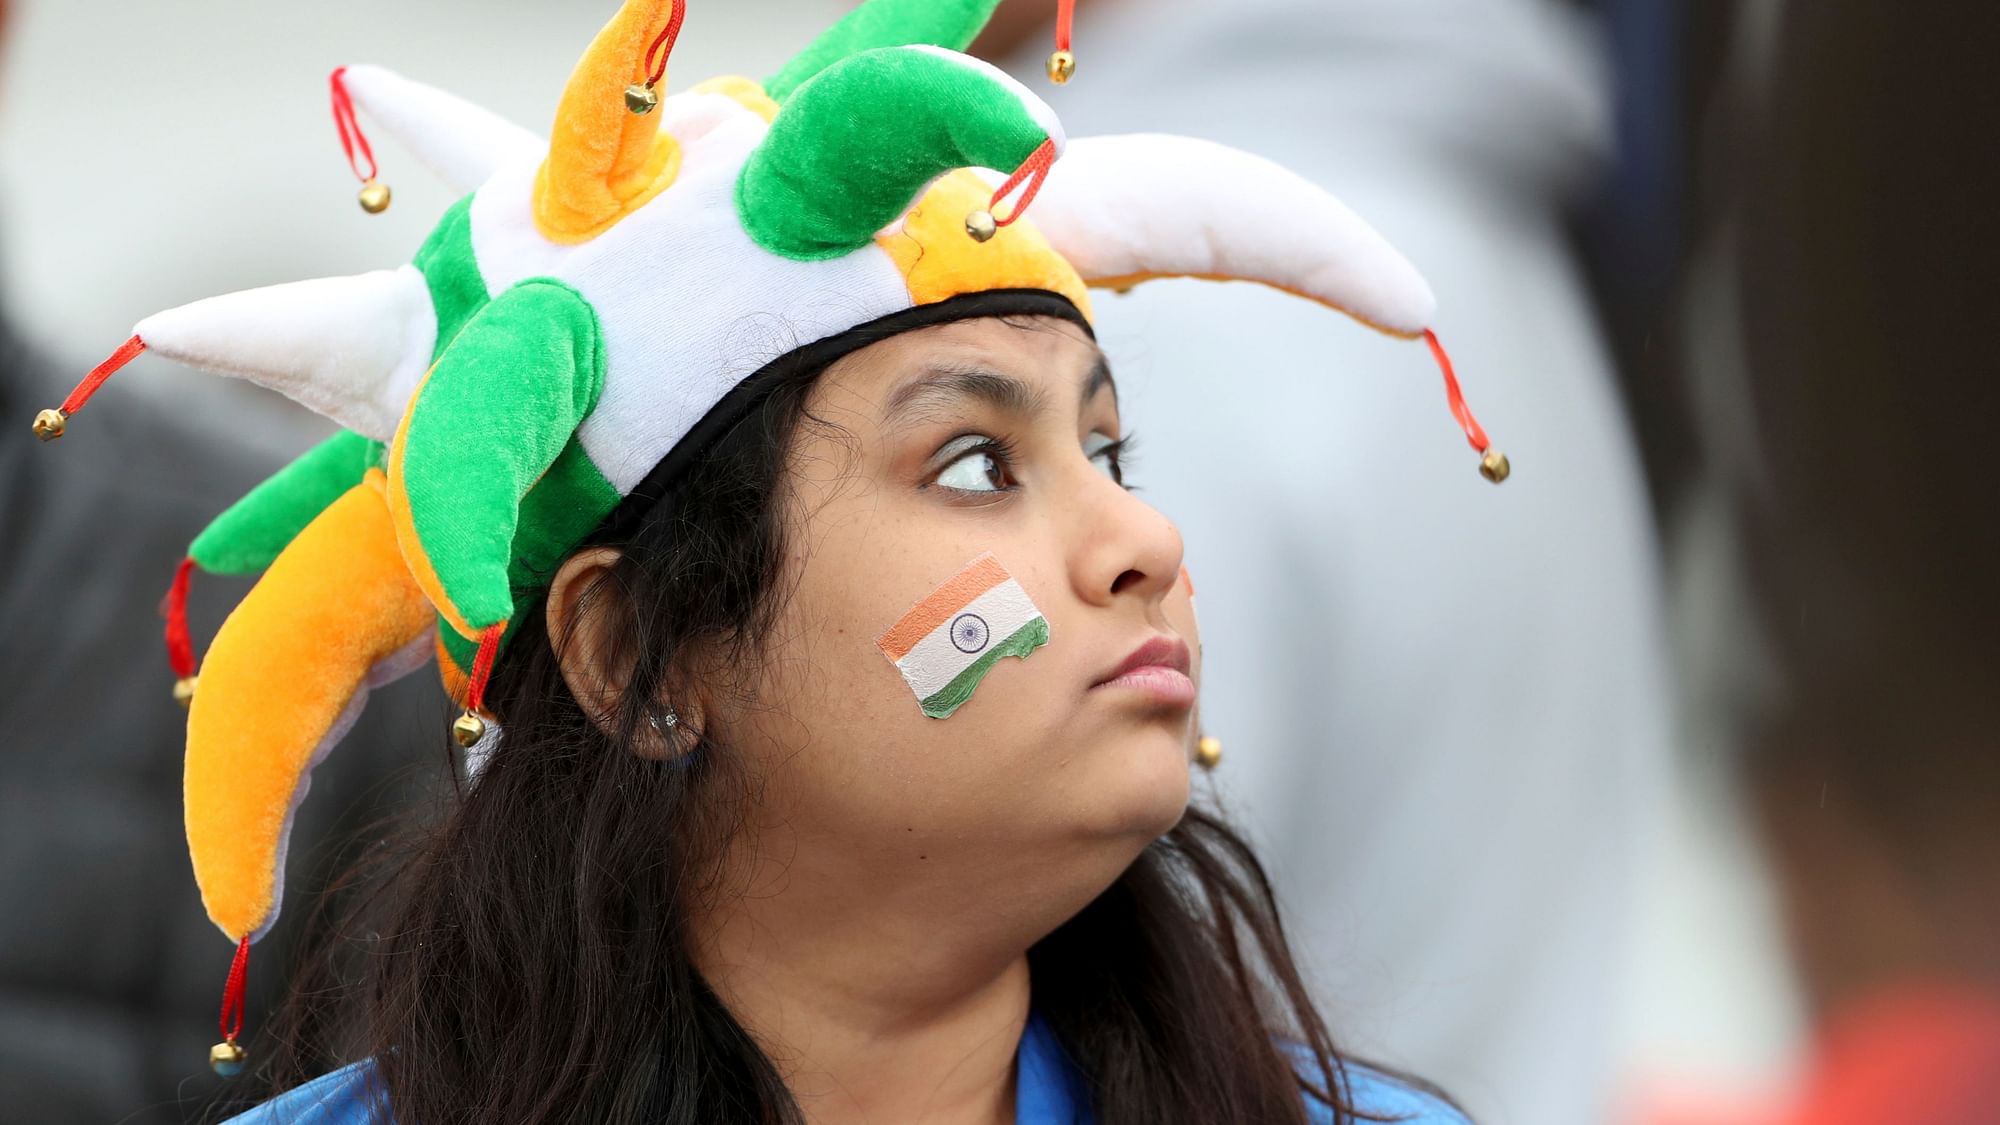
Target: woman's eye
(982, 468)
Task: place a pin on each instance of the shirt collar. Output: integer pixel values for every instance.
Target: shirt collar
(1048, 1089)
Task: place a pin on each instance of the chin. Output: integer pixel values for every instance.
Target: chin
(1139, 779)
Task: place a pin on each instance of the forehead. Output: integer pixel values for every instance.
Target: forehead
(1046, 353)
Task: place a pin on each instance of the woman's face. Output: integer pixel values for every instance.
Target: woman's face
(941, 445)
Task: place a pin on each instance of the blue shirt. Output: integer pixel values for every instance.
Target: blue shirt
(1048, 1090)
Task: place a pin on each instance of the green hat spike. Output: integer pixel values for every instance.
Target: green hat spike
(855, 144)
(248, 536)
(499, 407)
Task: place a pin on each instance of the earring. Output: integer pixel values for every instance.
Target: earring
(666, 722)
(1208, 752)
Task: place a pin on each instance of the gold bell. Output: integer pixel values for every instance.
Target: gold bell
(49, 424)
(1495, 466)
(374, 197)
(980, 226)
(468, 729)
(227, 1058)
(640, 98)
(1208, 752)
(1062, 67)
(184, 691)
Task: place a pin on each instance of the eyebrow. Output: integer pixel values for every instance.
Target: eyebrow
(942, 383)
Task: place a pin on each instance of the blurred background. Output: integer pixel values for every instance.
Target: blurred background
(1531, 766)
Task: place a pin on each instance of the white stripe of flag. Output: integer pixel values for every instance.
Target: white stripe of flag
(973, 631)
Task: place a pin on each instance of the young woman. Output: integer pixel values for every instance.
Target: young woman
(830, 696)
(803, 899)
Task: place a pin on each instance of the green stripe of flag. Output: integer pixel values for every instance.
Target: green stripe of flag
(953, 695)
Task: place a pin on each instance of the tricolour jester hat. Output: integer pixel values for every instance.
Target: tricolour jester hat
(602, 301)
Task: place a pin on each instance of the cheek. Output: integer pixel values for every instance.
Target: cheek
(827, 688)
(843, 735)
(851, 755)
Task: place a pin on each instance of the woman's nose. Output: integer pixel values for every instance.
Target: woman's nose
(1123, 546)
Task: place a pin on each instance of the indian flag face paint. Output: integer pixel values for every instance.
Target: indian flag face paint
(948, 642)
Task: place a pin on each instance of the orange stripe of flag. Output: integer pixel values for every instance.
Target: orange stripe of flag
(981, 575)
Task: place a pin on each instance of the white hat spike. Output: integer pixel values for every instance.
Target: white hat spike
(461, 143)
(352, 348)
(1126, 209)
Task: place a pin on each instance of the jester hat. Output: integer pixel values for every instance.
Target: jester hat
(600, 303)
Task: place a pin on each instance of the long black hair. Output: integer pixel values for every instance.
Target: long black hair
(525, 957)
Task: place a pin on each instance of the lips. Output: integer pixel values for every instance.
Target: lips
(1160, 652)
(1156, 674)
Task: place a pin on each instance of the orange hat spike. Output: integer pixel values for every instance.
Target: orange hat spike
(607, 154)
(50, 424)
(1493, 464)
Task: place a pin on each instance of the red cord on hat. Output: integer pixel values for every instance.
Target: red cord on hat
(180, 648)
(124, 355)
(1474, 433)
(482, 667)
(1034, 170)
(351, 137)
(658, 70)
(50, 424)
(1065, 15)
(230, 1022)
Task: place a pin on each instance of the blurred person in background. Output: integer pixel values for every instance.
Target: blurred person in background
(103, 946)
(1869, 251)
(1447, 723)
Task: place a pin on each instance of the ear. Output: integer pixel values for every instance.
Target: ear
(582, 614)
(584, 636)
